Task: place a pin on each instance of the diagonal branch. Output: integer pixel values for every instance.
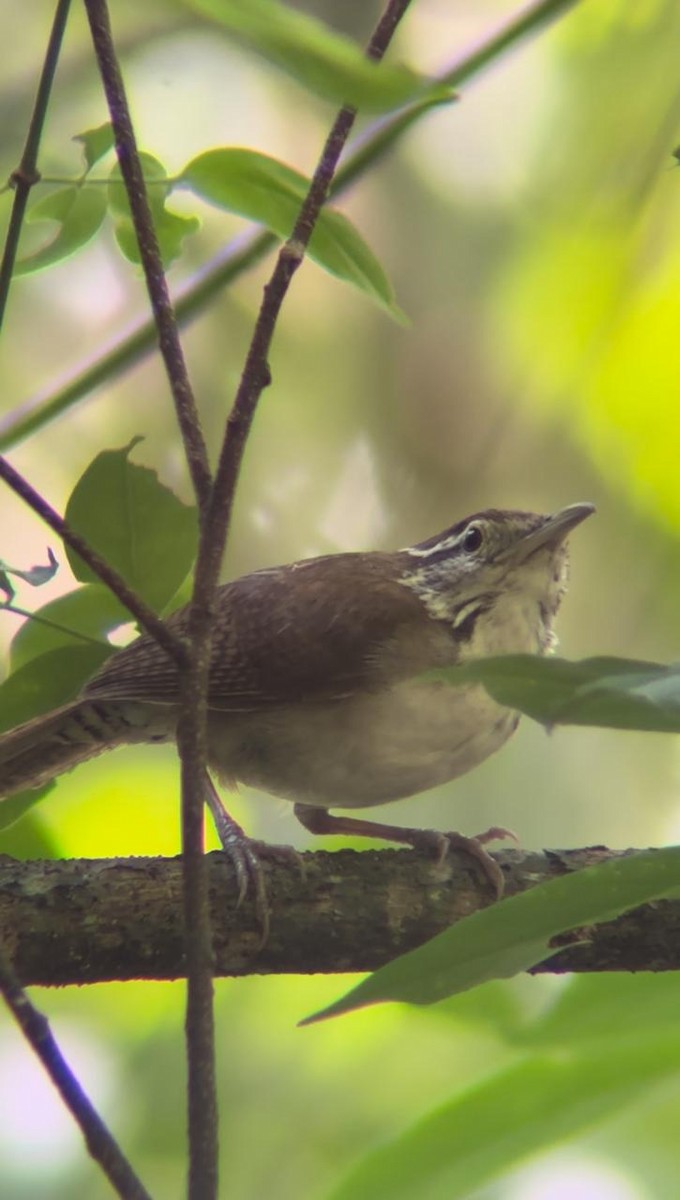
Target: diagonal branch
(255, 377)
(165, 321)
(100, 1142)
(134, 603)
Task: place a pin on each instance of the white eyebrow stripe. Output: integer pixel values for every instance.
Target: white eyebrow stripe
(446, 544)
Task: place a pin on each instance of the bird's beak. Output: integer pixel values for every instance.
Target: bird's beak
(553, 530)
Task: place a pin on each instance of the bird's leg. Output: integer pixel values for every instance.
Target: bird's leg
(242, 853)
(319, 820)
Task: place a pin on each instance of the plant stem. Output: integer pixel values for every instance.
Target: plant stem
(26, 174)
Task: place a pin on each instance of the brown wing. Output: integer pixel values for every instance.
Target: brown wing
(297, 632)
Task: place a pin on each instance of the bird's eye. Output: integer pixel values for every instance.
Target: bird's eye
(473, 539)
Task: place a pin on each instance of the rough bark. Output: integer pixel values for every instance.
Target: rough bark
(86, 921)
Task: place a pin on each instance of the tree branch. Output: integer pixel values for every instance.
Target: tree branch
(88, 921)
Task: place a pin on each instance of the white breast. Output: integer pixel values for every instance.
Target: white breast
(370, 750)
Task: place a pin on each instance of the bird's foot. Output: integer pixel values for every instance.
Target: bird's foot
(319, 820)
(474, 847)
(245, 857)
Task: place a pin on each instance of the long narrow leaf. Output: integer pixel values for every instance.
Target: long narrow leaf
(487, 1129)
(325, 62)
(515, 934)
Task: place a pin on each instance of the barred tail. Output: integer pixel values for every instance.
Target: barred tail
(36, 752)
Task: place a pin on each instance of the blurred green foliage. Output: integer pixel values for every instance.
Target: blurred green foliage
(532, 235)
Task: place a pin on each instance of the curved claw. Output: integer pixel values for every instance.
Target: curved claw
(474, 847)
(497, 833)
(243, 855)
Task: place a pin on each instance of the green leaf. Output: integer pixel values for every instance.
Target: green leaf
(515, 933)
(138, 524)
(96, 143)
(487, 1129)
(325, 62)
(617, 693)
(171, 231)
(339, 247)
(30, 839)
(15, 807)
(48, 681)
(271, 193)
(91, 611)
(155, 177)
(171, 228)
(79, 212)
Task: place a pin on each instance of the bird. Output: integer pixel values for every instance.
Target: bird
(318, 687)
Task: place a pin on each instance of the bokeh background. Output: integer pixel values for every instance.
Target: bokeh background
(532, 232)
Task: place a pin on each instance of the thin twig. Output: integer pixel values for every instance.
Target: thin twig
(135, 605)
(255, 375)
(152, 264)
(26, 174)
(48, 624)
(98, 1139)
